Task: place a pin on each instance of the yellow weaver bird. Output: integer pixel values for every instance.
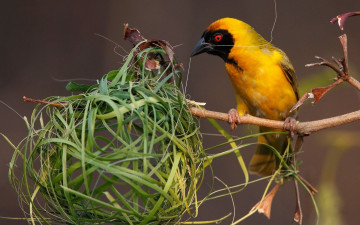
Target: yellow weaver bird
(263, 79)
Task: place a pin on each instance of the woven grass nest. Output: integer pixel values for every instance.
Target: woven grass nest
(124, 151)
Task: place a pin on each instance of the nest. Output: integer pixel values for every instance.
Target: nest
(124, 151)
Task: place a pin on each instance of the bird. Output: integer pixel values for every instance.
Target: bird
(263, 79)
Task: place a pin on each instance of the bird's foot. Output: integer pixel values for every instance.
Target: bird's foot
(234, 118)
(290, 125)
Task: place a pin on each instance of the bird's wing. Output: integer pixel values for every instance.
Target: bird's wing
(289, 72)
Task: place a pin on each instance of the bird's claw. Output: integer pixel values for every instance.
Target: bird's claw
(234, 118)
(290, 125)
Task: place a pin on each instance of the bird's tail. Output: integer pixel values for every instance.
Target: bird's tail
(264, 162)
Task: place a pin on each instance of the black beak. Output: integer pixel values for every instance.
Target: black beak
(201, 47)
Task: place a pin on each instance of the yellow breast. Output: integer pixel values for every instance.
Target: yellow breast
(261, 83)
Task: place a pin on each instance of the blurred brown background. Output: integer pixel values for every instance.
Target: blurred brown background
(46, 43)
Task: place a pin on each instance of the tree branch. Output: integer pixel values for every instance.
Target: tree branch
(302, 128)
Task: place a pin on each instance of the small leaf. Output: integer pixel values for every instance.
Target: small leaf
(103, 87)
(121, 94)
(264, 206)
(320, 92)
(112, 74)
(73, 87)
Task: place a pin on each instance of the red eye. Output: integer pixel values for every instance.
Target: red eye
(218, 37)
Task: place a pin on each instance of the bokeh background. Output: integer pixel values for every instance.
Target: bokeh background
(44, 44)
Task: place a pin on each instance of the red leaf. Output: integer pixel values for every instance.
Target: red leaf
(151, 64)
(321, 91)
(342, 18)
(168, 49)
(264, 206)
(133, 35)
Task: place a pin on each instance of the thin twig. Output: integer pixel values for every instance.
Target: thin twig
(55, 104)
(324, 62)
(342, 70)
(343, 41)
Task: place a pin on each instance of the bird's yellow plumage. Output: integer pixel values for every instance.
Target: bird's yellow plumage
(263, 79)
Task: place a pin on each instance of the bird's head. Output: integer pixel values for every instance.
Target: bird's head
(221, 36)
